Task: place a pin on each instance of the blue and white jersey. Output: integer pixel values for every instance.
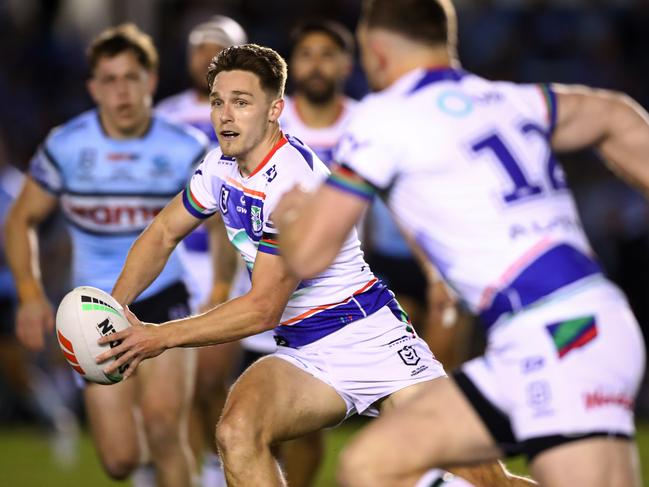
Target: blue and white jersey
(110, 190)
(343, 293)
(466, 166)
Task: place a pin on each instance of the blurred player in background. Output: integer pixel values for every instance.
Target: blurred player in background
(345, 346)
(476, 184)
(113, 169)
(208, 258)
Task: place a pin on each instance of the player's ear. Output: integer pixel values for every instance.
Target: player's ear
(152, 82)
(91, 86)
(276, 108)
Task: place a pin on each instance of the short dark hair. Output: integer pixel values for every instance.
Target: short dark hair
(427, 21)
(124, 37)
(262, 61)
(335, 30)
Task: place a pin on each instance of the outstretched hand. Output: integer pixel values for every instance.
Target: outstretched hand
(139, 342)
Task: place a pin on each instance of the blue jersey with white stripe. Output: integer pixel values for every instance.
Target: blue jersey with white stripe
(110, 190)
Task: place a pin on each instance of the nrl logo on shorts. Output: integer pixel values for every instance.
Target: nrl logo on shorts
(255, 215)
(409, 355)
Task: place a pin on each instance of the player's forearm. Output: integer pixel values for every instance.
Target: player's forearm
(235, 319)
(626, 144)
(144, 263)
(21, 247)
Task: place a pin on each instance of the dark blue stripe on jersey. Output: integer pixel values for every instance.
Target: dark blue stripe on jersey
(437, 75)
(558, 267)
(51, 158)
(46, 187)
(193, 211)
(553, 107)
(197, 241)
(301, 148)
(326, 322)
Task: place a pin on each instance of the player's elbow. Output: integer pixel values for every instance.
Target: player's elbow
(305, 265)
(268, 312)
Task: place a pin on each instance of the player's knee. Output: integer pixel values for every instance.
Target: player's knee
(236, 434)
(162, 427)
(119, 467)
(354, 470)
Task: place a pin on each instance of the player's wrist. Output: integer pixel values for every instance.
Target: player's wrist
(30, 291)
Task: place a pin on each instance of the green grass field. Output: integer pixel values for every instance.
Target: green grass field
(26, 460)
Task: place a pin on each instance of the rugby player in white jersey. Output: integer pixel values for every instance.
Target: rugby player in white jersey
(344, 344)
(208, 259)
(467, 167)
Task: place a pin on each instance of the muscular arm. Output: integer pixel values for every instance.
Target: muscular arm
(152, 249)
(33, 205)
(258, 310)
(612, 123)
(313, 228)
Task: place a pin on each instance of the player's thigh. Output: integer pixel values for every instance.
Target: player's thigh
(432, 424)
(279, 401)
(595, 462)
(112, 423)
(166, 383)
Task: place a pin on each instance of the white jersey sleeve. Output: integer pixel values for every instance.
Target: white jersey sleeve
(198, 197)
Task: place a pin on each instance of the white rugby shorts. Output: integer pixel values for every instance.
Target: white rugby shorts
(565, 369)
(367, 360)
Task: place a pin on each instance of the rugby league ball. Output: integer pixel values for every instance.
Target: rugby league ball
(84, 316)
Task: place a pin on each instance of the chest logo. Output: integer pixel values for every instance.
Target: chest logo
(223, 200)
(271, 173)
(255, 218)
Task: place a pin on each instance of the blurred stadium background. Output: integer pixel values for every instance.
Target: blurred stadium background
(42, 83)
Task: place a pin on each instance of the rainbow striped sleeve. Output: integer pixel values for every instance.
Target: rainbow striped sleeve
(193, 206)
(550, 98)
(344, 179)
(268, 244)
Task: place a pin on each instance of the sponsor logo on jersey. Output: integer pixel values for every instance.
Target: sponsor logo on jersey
(409, 355)
(122, 156)
(599, 399)
(255, 218)
(112, 214)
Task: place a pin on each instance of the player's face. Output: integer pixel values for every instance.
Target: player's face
(242, 112)
(199, 60)
(123, 89)
(319, 67)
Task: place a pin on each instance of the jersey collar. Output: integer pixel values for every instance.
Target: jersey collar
(270, 154)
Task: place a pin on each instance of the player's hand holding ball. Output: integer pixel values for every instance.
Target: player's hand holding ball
(138, 342)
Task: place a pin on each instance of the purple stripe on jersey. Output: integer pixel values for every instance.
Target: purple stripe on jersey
(558, 267)
(435, 76)
(333, 319)
(197, 241)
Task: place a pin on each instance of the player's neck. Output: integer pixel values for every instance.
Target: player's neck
(249, 162)
(318, 115)
(429, 58)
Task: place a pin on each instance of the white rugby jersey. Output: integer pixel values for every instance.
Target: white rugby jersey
(321, 140)
(466, 166)
(343, 293)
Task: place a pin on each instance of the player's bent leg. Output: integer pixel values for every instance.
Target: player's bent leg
(301, 458)
(272, 401)
(113, 427)
(434, 426)
(595, 462)
(166, 387)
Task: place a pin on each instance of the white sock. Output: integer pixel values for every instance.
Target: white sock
(440, 478)
(212, 473)
(144, 476)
